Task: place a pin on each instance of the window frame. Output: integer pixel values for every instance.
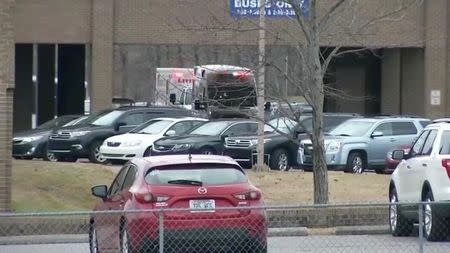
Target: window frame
(123, 170)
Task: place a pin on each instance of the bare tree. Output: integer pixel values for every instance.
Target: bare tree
(314, 64)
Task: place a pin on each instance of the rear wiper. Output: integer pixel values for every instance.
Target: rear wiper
(343, 135)
(186, 181)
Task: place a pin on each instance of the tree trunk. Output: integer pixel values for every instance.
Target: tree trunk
(320, 170)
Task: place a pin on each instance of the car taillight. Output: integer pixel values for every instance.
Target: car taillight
(446, 165)
(151, 198)
(251, 195)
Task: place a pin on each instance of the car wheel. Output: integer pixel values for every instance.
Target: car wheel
(207, 151)
(93, 242)
(125, 246)
(279, 160)
(48, 156)
(94, 153)
(148, 152)
(355, 163)
(398, 224)
(435, 227)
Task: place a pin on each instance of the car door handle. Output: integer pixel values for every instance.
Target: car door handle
(392, 140)
(408, 166)
(424, 164)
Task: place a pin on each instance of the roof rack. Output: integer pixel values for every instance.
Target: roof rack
(393, 116)
(441, 120)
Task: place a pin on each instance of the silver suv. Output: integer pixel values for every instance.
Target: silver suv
(359, 144)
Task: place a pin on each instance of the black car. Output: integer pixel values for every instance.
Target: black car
(280, 140)
(33, 143)
(207, 138)
(83, 141)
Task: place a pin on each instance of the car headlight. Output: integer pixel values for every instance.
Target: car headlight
(255, 141)
(184, 146)
(32, 138)
(79, 133)
(132, 143)
(333, 147)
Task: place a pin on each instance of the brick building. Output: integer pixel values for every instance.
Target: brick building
(68, 51)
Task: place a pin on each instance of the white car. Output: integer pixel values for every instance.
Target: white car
(138, 142)
(423, 176)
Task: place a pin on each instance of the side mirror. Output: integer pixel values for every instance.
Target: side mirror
(172, 98)
(118, 125)
(376, 134)
(100, 191)
(171, 133)
(398, 155)
(223, 137)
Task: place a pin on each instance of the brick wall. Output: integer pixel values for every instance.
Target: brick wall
(102, 54)
(6, 99)
(435, 54)
(53, 21)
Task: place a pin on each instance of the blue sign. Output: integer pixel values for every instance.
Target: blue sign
(273, 8)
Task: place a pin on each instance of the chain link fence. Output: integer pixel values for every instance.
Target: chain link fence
(301, 228)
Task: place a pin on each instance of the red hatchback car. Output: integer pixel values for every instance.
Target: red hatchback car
(201, 203)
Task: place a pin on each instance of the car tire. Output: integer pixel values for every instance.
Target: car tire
(356, 163)
(125, 246)
(399, 225)
(148, 152)
(207, 151)
(47, 156)
(279, 160)
(93, 241)
(435, 227)
(94, 153)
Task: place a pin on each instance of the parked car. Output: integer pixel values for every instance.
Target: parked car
(389, 163)
(423, 175)
(139, 141)
(84, 140)
(196, 184)
(33, 143)
(204, 139)
(280, 140)
(359, 144)
(291, 110)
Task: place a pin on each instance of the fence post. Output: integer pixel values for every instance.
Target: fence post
(161, 231)
(421, 223)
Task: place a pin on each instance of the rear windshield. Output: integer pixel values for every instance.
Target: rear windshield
(189, 175)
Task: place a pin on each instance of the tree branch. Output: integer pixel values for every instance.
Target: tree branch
(326, 17)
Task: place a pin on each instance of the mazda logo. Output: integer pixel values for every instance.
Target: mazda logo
(202, 190)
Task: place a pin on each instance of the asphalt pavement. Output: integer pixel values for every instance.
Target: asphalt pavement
(328, 244)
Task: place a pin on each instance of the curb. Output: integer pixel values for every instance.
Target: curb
(295, 231)
(273, 232)
(362, 230)
(43, 239)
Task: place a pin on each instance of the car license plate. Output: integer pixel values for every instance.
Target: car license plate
(202, 205)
